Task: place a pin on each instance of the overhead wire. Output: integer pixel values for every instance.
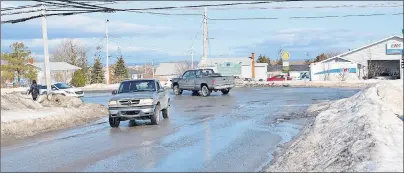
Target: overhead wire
(307, 17)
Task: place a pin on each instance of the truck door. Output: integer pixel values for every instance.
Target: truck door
(183, 81)
(191, 81)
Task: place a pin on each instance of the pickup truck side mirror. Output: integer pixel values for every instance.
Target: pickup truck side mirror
(114, 92)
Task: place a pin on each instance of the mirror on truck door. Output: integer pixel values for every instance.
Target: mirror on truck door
(114, 92)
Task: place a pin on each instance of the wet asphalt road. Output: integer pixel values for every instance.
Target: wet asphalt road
(235, 132)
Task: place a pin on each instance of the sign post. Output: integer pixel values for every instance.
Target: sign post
(285, 63)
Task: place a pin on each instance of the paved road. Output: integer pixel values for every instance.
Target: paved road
(236, 132)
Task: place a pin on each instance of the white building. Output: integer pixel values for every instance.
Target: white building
(384, 56)
(238, 66)
(60, 72)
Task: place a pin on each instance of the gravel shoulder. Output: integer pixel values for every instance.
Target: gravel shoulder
(360, 133)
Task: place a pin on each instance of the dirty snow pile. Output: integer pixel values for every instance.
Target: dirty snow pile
(360, 133)
(21, 116)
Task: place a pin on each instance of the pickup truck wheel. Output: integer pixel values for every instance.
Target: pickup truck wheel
(225, 91)
(114, 122)
(205, 91)
(166, 112)
(177, 90)
(155, 118)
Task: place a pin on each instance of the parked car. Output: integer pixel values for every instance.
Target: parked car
(138, 99)
(384, 76)
(66, 90)
(203, 82)
(278, 78)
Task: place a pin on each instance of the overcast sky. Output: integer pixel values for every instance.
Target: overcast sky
(142, 37)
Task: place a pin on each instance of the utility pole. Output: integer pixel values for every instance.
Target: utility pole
(192, 57)
(253, 65)
(152, 66)
(45, 51)
(106, 36)
(205, 40)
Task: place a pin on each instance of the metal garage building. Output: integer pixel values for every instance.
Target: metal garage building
(238, 66)
(381, 57)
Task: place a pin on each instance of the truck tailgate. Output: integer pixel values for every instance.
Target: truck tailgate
(224, 80)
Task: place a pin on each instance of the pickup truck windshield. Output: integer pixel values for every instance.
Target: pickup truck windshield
(137, 86)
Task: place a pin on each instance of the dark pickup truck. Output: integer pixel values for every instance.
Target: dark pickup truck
(202, 82)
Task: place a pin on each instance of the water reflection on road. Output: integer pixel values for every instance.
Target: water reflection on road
(234, 132)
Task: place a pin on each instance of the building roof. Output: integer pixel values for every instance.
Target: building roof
(364, 47)
(166, 69)
(134, 71)
(242, 60)
(276, 68)
(56, 66)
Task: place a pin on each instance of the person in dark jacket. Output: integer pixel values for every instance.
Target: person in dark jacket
(34, 90)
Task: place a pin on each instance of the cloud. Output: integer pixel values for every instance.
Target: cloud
(78, 26)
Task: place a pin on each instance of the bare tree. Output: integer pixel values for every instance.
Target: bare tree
(374, 67)
(343, 74)
(326, 74)
(332, 54)
(182, 66)
(71, 52)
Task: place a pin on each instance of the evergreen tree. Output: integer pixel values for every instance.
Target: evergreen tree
(17, 63)
(263, 59)
(97, 72)
(120, 70)
(79, 78)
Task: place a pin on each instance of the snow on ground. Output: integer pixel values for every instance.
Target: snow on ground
(301, 83)
(360, 133)
(10, 90)
(21, 116)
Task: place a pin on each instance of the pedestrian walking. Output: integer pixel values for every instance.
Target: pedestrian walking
(34, 90)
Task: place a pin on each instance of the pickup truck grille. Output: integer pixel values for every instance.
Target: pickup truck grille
(79, 92)
(130, 112)
(129, 102)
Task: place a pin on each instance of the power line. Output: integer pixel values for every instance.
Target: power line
(196, 35)
(54, 14)
(317, 7)
(20, 7)
(308, 17)
(104, 9)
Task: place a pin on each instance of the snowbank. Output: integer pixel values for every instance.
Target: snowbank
(313, 84)
(360, 133)
(10, 90)
(21, 117)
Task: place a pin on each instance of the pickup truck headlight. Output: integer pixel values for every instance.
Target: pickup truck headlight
(68, 92)
(146, 101)
(112, 103)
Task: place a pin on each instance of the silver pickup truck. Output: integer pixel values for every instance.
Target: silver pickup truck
(202, 82)
(138, 99)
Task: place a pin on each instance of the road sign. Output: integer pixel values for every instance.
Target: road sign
(285, 56)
